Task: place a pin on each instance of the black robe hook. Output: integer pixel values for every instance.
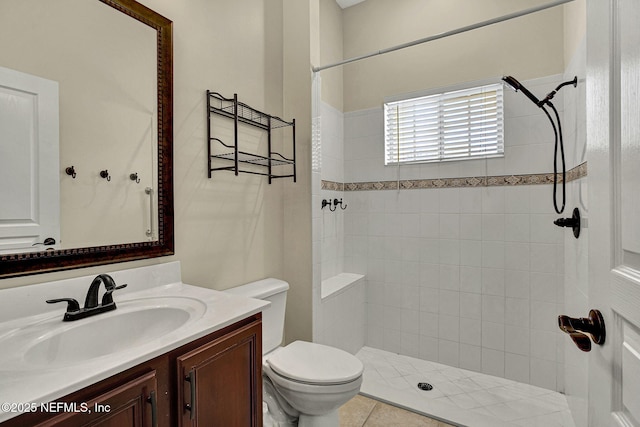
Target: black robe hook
(71, 171)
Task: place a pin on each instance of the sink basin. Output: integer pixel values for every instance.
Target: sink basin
(134, 323)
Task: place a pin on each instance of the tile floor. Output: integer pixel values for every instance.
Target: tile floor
(365, 412)
(461, 397)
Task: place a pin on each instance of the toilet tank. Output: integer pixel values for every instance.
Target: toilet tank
(274, 291)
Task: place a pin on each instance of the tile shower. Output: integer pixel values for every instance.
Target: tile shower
(463, 264)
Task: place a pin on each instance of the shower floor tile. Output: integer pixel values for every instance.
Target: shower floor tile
(459, 396)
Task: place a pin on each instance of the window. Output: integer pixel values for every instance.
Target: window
(458, 125)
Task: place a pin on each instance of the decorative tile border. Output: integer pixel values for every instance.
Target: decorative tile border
(480, 181)
(332, 186)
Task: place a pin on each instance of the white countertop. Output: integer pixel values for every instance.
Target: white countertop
(22, 383)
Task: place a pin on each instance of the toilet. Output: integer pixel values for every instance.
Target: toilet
(304, 383)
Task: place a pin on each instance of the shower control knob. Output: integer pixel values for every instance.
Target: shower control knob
(573, 222)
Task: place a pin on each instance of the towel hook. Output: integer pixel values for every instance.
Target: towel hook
(134, 177)
(337, 202)
(71, 171)
(105, 174)
(325, 203)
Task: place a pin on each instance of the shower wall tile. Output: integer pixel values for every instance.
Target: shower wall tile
(493, 362)
(429, 324)
(471, 279)
(410, 344)
(543, 373)
(470, 201)
(517, 312)
(493, 200)
(493, 308)
(517, 227)
(493, 281)
(517, 200)
(332, 143)
(517, 340)
(444, 282)
(470, 332)
(493, 335)
(470, 226)
(331, 234)
(470, 306)
(516, 367)
(493, 227)
(516, 284)
(543, 230)
(517, 255)
(429, 348)
(470, 357)
(449, 352)
(493, 254)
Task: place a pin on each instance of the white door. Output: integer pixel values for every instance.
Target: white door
(613, 129)
(29, 165)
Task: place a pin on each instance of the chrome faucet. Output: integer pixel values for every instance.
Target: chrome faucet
(91, 306)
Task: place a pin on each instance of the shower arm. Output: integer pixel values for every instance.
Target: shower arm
(551, 94)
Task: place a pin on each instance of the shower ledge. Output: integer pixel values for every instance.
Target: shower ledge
(339, 283)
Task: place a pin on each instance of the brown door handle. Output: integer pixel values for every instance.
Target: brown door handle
(580, 330)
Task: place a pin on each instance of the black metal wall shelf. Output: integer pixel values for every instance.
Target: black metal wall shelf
(242, 113)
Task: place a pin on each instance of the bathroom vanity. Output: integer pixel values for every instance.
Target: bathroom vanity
(169, 355)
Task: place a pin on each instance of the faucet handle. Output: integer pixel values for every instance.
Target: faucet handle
(107, 298)
(72, 304)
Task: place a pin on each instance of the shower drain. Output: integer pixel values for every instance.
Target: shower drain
(425, 386)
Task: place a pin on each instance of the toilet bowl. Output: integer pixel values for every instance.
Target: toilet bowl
(303, 380)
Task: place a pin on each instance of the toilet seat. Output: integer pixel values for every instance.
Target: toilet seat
(315, 364)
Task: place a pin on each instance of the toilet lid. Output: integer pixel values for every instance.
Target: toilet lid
(315, 363)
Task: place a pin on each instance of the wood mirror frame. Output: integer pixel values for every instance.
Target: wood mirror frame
(21, 264)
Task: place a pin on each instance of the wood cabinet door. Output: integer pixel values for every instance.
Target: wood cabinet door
(132, 404)
(220, 383)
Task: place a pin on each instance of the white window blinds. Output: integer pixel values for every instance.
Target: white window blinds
(463, 124)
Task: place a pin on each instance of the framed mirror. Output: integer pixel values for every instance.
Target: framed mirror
(110, 63)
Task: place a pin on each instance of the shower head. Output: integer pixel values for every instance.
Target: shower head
(516, 85)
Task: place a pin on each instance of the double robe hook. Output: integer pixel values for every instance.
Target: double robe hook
(333, 204)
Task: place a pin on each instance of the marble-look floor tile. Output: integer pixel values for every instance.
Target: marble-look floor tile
(459, 393)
